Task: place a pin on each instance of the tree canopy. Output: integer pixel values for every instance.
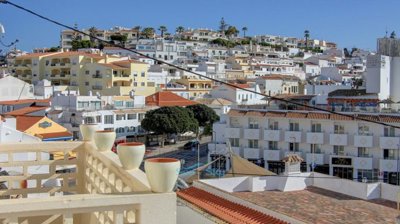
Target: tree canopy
(78, 44)
(148, 32)
(231, 31)
(203, 114)
(170, 120)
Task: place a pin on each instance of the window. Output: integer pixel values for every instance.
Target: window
(131, 116)
(98, 118)
(316, 127)
(143, 74)
(363, 129)
(234, 142)
(135, 84)
(87, 72)
(293, 126)
(234, 122)
(315, 148)
(120, 117)
(141, 117)
(367, 176)
(338, 150)
(273, 125)
(131, 129)
(86, 83)
(108, 129)
(363, 152)
(294, 146)
(253, 123)
(96, 105)
(119, 103)
(389, 154)
(338, 129)
(120, 130)
(83, 104)
(142, 84)
(108, 119)
(134, 74)
(273, 145)
(253, 143)
(89, 120)
(129, 104)
(388, 132)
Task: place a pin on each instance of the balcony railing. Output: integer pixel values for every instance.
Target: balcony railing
(97, 76)
(96, 190)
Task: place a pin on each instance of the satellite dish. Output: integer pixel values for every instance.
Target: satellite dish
(132, 94)
(98, 95)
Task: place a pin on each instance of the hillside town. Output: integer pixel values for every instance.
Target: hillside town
(252, 121)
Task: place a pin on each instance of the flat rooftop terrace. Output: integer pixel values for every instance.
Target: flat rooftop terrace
(317, 205)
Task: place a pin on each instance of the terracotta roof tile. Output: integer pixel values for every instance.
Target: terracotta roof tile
(16, 102)
(25, 122)
(25, 111)
(55, 135)
(166, 98)
(296, 115)
(390, 119)
(340, 117)
(318, 116)
(293, 158)
(368, 117)
(256, 113)
(275, 114)
(237, 113)
(224, 209)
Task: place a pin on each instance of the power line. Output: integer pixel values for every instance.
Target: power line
(192, 72)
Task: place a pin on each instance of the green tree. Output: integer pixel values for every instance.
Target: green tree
(53, 49)
(180, 29)
(306, 36)
(148, 32)
(78, 44)
(169, 120)
(244, 29)
(120, 38)
(162, 29)
(231, 31)
(205, 116)
(93, 33)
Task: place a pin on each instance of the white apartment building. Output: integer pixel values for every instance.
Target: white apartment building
(239, 96)
(330, 144)
(278, 84)
(119, 113)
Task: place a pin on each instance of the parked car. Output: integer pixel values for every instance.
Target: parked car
(191, 144)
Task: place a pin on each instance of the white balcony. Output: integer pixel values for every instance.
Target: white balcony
(389, 142)
(362, 163)
(251, 153)
(388, 165)
(96, 190)
(315, 138)
(251, 133)
(272, 135)
(363, 141)
(274, 155)
(232, 132)
(318, 158)
(217, 148)
(293, 136)
(338, 139)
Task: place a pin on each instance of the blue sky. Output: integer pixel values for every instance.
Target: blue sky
(350, 23)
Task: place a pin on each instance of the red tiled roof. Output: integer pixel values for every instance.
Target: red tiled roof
(16, 102)
(25, 111)
(296, 115)
(245, 86)
(166, 98)
(224, 209)
(318, 116)
(55, 135)
(25, 122)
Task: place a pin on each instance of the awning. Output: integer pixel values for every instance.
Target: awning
(243, 167)
(56, 136)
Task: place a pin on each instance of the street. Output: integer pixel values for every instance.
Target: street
(188, 157)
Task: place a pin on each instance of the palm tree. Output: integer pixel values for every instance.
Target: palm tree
(306, 35)
(231, 31)
(148, 32)
(244, 29)
(180, 29)
(163, 29)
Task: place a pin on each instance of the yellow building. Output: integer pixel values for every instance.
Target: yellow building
(196, 87)
(43, 128)
(88, 73)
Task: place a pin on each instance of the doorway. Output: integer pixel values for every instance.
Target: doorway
(343, 172)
